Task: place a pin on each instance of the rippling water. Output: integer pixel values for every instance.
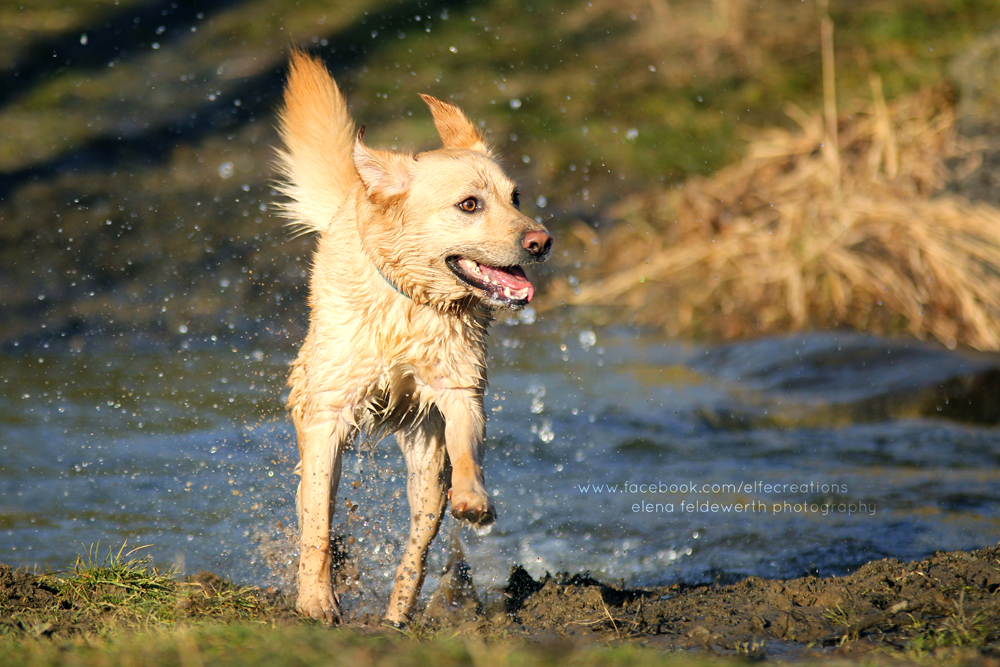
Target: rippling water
(614, 452)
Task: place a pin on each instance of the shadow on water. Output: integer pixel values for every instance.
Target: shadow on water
(258, 93)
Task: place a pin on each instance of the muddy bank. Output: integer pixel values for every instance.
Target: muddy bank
(945, 603)
(946, 600)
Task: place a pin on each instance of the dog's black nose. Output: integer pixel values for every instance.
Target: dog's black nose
(537, 243)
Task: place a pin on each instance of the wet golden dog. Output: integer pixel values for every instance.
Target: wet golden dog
(415, 254)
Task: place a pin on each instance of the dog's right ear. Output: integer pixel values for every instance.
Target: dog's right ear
(385, 174)
(455, 130)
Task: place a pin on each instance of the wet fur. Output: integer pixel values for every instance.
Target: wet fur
(407, 357)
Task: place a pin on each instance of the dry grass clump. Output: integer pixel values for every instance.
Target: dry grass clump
(801, 235)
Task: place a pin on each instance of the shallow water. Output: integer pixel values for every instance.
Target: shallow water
(188, 451)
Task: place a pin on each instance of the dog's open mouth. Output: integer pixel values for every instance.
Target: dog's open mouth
(504, 284)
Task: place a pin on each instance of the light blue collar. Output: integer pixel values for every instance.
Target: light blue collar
(391, 284)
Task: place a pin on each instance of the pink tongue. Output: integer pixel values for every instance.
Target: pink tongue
(512, 277)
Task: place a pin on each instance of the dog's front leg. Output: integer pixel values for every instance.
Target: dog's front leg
(465, 430)
(426, 491)
(320, 449)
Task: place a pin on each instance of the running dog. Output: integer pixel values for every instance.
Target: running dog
(415, 254)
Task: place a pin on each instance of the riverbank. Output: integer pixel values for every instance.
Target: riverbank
(136, 192)
(940, 609)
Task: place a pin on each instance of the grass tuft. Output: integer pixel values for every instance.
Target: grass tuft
(959, 628)
(122, 586)
(124, 592)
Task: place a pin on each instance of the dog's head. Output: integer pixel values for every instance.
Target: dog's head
(444, 226)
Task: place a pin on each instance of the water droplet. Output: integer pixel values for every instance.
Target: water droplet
(587, 339)
(545, 433)
(226, 170)
(541, 201)
(515, 103)
(83, 39)
(631, 134)
(453, 49)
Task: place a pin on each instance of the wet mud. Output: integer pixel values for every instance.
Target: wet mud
(887, 608)
(946, 600)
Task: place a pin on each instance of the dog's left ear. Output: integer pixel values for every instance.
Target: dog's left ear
(455, 130)
(385, 174)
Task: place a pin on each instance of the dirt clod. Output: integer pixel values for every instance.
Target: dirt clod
(20, 590)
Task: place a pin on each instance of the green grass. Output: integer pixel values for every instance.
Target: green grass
(959, 629)
(121, 587)
(124, 592)
(315, 645)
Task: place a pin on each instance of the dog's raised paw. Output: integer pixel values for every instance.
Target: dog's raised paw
(320, 603)
(472, 506)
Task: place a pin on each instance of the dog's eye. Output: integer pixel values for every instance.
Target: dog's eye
(515, 199)
(469, 205)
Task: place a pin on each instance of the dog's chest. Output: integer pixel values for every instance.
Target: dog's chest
(421, 360)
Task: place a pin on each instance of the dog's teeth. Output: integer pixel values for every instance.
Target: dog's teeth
(469, 266)
(506, 292)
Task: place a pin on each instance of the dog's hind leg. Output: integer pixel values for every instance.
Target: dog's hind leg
(427, 481)
(320, 448)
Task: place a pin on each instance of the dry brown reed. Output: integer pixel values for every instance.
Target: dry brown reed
(790, 239)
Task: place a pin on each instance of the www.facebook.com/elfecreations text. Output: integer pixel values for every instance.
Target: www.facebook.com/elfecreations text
(695, 487)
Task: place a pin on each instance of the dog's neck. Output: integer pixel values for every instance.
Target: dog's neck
(390, 283)
(470, 306)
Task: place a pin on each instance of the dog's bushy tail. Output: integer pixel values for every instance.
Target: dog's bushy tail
(318, 133)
